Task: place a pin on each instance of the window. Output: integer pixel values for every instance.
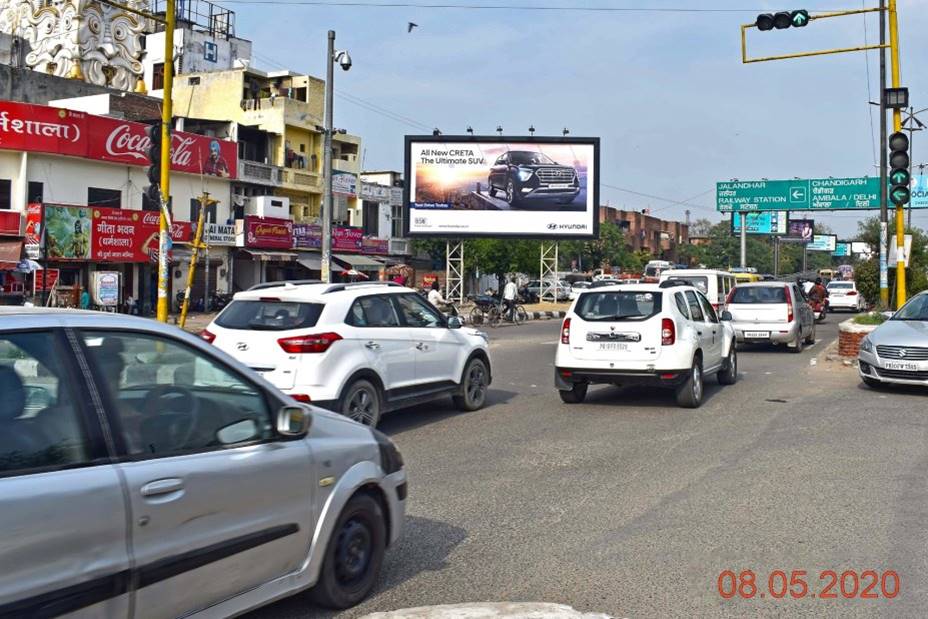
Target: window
(397, 222)
(695, 309)
(97, 196)
(759, 295)
(6, 193)
(622, 305)
(36, 192)
(270, 315)
(416, 313)
(171, 398)
(681, 305)
(700, 282)
(191, 81)
(157, 76)
(195, 211)
(40, 424)
(373, 312)
(371, 216)
(707, 309)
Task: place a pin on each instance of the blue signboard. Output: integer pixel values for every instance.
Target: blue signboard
(760, 222)
(842, 250)
(919, 191)
(823, 242)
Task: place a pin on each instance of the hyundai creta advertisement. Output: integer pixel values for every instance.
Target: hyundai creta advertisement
(496, 187)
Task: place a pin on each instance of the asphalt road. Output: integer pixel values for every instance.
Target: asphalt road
(631, 506)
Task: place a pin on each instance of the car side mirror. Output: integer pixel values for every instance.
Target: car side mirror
(726, 315)
(293, 421)
(888, 314)
(454, 323)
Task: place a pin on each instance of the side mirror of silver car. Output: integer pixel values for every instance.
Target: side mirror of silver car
(293, 421)
(454, 322)
(726, 315)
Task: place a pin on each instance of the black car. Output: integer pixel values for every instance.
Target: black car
(523, 175)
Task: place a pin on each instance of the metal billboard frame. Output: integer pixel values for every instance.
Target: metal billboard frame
(488, 139)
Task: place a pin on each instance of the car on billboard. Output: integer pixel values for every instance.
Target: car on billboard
(523, 175)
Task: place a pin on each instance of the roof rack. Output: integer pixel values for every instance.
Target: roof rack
(348, 286)
(292, 282)
(672, 283)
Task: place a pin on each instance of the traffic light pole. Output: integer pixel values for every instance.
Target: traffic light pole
(167, 114)
(884, 193)
(897, 126)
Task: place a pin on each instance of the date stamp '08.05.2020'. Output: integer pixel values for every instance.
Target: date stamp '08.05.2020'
(799, 584)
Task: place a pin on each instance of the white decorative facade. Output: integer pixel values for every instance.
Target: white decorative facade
(81, 39)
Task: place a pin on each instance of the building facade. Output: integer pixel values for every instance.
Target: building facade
(644, 232)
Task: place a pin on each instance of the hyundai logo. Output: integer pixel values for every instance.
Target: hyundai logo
(552, 226)
(241, 346)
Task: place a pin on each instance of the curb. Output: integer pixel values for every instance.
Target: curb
(545, 315)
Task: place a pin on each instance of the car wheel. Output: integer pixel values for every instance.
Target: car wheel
(575, 395)
(361, 403)
(872, 382)
(729, 373)
(811, 339)
(797, 345)
(473, 386)
(354, 554)
(511, 198)
(689, 394)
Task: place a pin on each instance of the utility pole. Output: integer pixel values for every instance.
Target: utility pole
(884, 190)
(327, 162)
(167, 115)
(897, 126)
(205, 201)
(206, 295)
(744, 241)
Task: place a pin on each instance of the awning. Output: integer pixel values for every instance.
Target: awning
(10, 253)
(361, 263)
(269, 256)
(313, 262)
(184, 255)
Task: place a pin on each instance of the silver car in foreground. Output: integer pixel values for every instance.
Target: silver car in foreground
(897, 351)
(144, 473)
(771, 313)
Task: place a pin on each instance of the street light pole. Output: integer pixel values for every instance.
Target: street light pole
(167, 114)
(327, 162)
(884, 212)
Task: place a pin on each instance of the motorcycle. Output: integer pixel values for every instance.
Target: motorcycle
(819, 309)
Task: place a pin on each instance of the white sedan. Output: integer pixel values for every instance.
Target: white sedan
(844, 295)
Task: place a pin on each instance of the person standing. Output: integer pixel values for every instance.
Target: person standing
(509, 297)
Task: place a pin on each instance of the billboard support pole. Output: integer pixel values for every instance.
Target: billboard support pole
(548, 267)
(454, 271)
(744, 242)
(776, 256)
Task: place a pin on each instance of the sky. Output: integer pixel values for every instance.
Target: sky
(666, 91)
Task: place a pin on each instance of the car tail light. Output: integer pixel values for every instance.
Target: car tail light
(308, 343)
(207, 335)
(668, 332)
(852, 293)
(565, 331)
(789, 305)
(301, 397)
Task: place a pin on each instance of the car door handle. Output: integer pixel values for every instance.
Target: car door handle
(372, 346)
(162, 486)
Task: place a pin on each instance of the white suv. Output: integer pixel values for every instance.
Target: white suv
(665, 335)
(359, 349)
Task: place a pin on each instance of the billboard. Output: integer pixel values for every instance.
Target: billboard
(764, 222)
(801, 229)
(528, 187)
(842, 250)
(823, 242)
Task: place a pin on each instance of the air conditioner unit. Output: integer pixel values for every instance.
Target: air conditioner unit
(268, 206)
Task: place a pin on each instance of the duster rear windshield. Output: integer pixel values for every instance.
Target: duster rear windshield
(618, 305)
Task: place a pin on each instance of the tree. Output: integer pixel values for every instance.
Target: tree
(867, 272)
(701, 228)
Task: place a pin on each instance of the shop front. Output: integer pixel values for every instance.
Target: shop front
(264, 251)
(12, 278)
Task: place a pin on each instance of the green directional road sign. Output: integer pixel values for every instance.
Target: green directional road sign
(810, 194)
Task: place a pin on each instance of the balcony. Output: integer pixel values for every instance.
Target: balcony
(346, 165)
(260, 173)
(273, 114)
(302, 180)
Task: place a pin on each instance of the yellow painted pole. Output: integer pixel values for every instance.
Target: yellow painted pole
(167, 115)
(897, 126)
(197, 237)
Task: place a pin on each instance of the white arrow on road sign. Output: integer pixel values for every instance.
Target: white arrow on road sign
(797, 194)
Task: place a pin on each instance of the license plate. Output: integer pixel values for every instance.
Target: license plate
(901, 365)
(559, 186)
(619, 346)
(757, 334)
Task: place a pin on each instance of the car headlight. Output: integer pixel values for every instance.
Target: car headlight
(391, 460)
(866, 345)
(524, 174)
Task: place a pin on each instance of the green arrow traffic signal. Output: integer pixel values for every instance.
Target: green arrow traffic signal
(799, 18)
(899, 177)
(900, 196)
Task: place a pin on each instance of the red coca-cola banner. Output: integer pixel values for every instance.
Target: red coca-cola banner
(39, 128)
(268, 232)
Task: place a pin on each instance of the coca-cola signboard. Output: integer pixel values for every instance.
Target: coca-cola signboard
(268, 232)
(39, 128)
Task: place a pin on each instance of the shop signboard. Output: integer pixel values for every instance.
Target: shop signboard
(106, 288)
(344, 183)
(375, 192)
(347, 239)
(375, 246)
(268, 232)
(220, 234)
(307, 236)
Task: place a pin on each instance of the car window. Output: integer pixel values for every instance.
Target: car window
(915, 309)
(759, 295)
(700, 282)
(618, 305)
(840, 286)
(695, 309)
(170, 397)
(376, 311)
(417, 313)
(707, 308)
(681, 305)
(270, 315)
(40, 423)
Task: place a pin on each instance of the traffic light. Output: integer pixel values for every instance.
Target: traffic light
(782, 20)
(899, 174)
(154, 161)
